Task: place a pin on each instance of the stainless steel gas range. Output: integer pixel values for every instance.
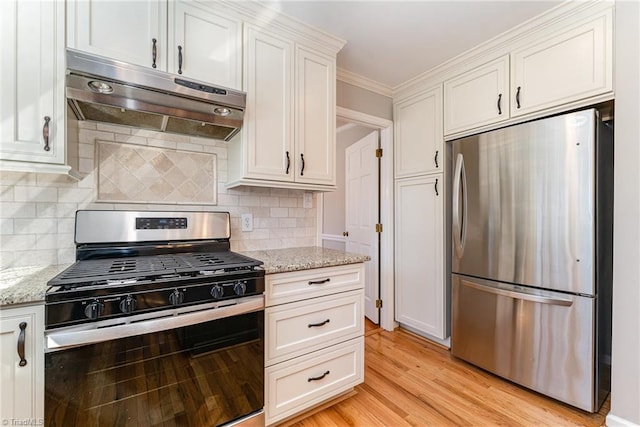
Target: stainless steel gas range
(157, 323)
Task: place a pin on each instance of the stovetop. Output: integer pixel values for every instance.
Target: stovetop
(118, 271)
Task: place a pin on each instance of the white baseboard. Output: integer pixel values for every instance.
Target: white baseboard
(615, 421)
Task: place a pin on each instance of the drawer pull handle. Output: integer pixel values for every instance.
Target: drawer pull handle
(315, 325)
(45, 133)
(319, 282)
(318, 378)
(23, 361)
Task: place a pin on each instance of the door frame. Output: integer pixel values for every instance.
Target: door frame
(385, 257)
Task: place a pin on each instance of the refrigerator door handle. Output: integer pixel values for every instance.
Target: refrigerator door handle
(459, 203)
(567, 302)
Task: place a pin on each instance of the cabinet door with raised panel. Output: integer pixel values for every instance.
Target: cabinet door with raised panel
(478, 97)
(22, 361)
(570, 66)
(418, 134)
(32, 74)
(204, 45)
(123, 30)
(419, 242)
(268, 120)
(315, 117)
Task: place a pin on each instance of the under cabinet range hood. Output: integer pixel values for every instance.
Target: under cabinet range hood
(106, 90)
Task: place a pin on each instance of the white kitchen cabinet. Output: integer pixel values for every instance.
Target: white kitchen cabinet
(419, 255)
(315, 117)
(32, 73)
(181, 37)
(314, 346)
(204, 45)
(22, 384)
(574, 64)
(288, 136)
(418, 142)
(478, 97)
(123, 30)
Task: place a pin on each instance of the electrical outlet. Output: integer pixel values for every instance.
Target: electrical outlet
(307, 200)
(247, 222)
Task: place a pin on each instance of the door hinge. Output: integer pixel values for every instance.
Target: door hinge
(379, 152)
(378, 228)
(378, 303)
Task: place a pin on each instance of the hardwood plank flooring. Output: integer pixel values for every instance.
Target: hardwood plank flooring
(410, 381)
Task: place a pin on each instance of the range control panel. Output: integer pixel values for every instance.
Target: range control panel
(161, 223)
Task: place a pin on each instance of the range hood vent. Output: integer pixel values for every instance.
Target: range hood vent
(105, 90)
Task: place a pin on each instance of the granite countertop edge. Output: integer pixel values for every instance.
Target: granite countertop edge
(27, 285)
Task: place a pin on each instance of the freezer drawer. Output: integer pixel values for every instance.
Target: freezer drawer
(539, 339)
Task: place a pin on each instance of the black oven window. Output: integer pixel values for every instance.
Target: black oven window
(201, 375)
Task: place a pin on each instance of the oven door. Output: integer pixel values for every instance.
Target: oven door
(197, 366)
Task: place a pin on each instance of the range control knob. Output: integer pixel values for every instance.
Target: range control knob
(128, 304)
(217, 291)
(239, 288)
(94, 309)
(176, 297)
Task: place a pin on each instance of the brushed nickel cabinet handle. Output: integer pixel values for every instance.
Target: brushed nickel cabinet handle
(21, 337)
(45, 133)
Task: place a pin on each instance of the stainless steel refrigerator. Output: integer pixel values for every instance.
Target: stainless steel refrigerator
(532, 223)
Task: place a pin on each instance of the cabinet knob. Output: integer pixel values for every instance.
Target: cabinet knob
(345, 233)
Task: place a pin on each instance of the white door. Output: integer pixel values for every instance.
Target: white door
(361, 206)
(419, 250)
(211, 45)
(315, 118)
(32, 106)
(268, 119)
(123, 30)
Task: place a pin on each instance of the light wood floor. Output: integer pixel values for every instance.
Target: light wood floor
(410, 381)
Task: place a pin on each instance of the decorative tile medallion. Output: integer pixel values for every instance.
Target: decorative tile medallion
(139, 174)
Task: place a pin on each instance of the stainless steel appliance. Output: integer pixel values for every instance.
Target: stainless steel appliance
(532, 255)
(157, 323)
(107, 90)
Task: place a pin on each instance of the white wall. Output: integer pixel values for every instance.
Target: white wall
(362, 100)
(625, 392)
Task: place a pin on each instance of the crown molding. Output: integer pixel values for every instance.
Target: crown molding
(364, 82)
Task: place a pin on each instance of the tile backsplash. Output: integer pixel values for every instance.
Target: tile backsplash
(37, 211)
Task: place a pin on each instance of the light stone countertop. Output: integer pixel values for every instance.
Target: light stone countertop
(27, 285)
(294, 259)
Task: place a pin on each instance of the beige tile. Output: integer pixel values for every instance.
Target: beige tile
(17, 210)
(35, 194)
(35, 225)
(6, 227)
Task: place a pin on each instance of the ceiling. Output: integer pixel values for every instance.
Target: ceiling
(390, 42)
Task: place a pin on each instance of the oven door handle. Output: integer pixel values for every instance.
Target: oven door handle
(163, 320)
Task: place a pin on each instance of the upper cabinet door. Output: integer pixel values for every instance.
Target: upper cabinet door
(123, 30)
(204, 45)
(418, 134)
(32, 74)
(268, 120)
(476, 98)
(315, 117)
(570, 66)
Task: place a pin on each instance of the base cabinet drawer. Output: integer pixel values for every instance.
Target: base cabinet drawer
(299, 285)
(308, 380)
(298, 328)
